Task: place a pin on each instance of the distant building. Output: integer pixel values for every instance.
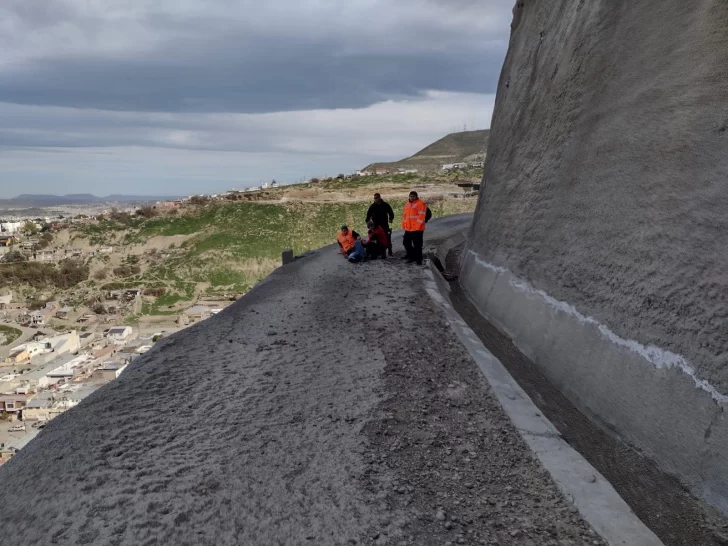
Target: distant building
(87, 338)
(197, 313)
(450, 166)
(6, 453)
(64, 312)
(11, 227)
(12, 403)
(108, 372)
(88, 319)
(119, 334)
(45, 255)
(8, 240)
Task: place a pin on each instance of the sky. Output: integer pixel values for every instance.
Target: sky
(174, 97)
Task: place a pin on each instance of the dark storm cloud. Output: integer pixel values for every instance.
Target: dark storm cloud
(168, 59)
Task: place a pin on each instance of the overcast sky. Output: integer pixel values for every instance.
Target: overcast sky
(190, 96)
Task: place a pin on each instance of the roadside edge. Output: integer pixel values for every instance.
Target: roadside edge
(595, 498)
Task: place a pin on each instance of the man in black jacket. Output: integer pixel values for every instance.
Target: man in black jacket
(381, 214)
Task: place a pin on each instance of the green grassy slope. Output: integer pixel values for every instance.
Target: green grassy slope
(235, 245)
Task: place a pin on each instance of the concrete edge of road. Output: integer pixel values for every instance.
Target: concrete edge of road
(595, 498)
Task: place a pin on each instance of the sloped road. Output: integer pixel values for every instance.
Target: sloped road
(333, 405)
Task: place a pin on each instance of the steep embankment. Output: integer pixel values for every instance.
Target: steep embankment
(599, 241)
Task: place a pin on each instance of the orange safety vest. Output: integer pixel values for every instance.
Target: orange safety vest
(413, 217)
(347, 241)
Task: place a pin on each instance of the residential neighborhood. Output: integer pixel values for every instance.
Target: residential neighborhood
(45, 373)
(49, 374)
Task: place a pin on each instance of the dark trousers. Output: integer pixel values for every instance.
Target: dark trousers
(389, 235)
(375, 250)
(413, 241)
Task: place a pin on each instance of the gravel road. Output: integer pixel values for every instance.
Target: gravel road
(333, 405)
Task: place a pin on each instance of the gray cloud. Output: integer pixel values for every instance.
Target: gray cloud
(286, 56)
(188, 95)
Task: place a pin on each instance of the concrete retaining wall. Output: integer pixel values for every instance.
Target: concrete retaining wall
(599, 238)
(649, 397)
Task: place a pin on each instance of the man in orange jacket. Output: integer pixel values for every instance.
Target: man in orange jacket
(350, 244)
(416, 214)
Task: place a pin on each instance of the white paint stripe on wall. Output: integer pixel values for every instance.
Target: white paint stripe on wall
(659, 358)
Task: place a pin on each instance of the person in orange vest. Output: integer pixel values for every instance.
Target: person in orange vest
(416, 214)
(350, 244)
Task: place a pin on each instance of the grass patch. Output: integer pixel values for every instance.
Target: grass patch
(10, 333)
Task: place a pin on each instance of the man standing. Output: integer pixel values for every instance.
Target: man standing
(416, 214)
(381, 214)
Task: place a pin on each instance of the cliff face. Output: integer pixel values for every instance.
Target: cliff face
(606, 195)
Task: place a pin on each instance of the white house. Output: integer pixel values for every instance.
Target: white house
(450, 166)
(119, 334)
(11, 227)
(62, 368)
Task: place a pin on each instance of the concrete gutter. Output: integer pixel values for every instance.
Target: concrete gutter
(594, 497)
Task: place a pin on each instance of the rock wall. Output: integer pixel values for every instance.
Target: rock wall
(600, 242)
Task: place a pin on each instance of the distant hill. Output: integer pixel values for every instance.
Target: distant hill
(40, 200)
(453, 148)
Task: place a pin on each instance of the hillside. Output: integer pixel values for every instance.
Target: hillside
(453, 148)
(41, 200)
(217, 248)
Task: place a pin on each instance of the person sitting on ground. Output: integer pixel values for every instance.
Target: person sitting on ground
(377, 243)
(350, 244)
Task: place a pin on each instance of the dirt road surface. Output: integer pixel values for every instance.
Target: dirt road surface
(332, 405)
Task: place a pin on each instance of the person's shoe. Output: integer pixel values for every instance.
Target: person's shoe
(419, 263)
(410, 261)
(391, 253)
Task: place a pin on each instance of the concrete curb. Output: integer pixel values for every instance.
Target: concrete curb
(597, 501)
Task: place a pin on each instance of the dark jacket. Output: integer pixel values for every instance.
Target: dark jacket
(381, 214)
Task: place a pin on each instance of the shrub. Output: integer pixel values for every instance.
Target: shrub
(156, 292)
(99, 309)
(199, 200)
(101, 274)
(147, 211)
(15, 257)
(68, 273)
(71, 272)
(127, 270)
